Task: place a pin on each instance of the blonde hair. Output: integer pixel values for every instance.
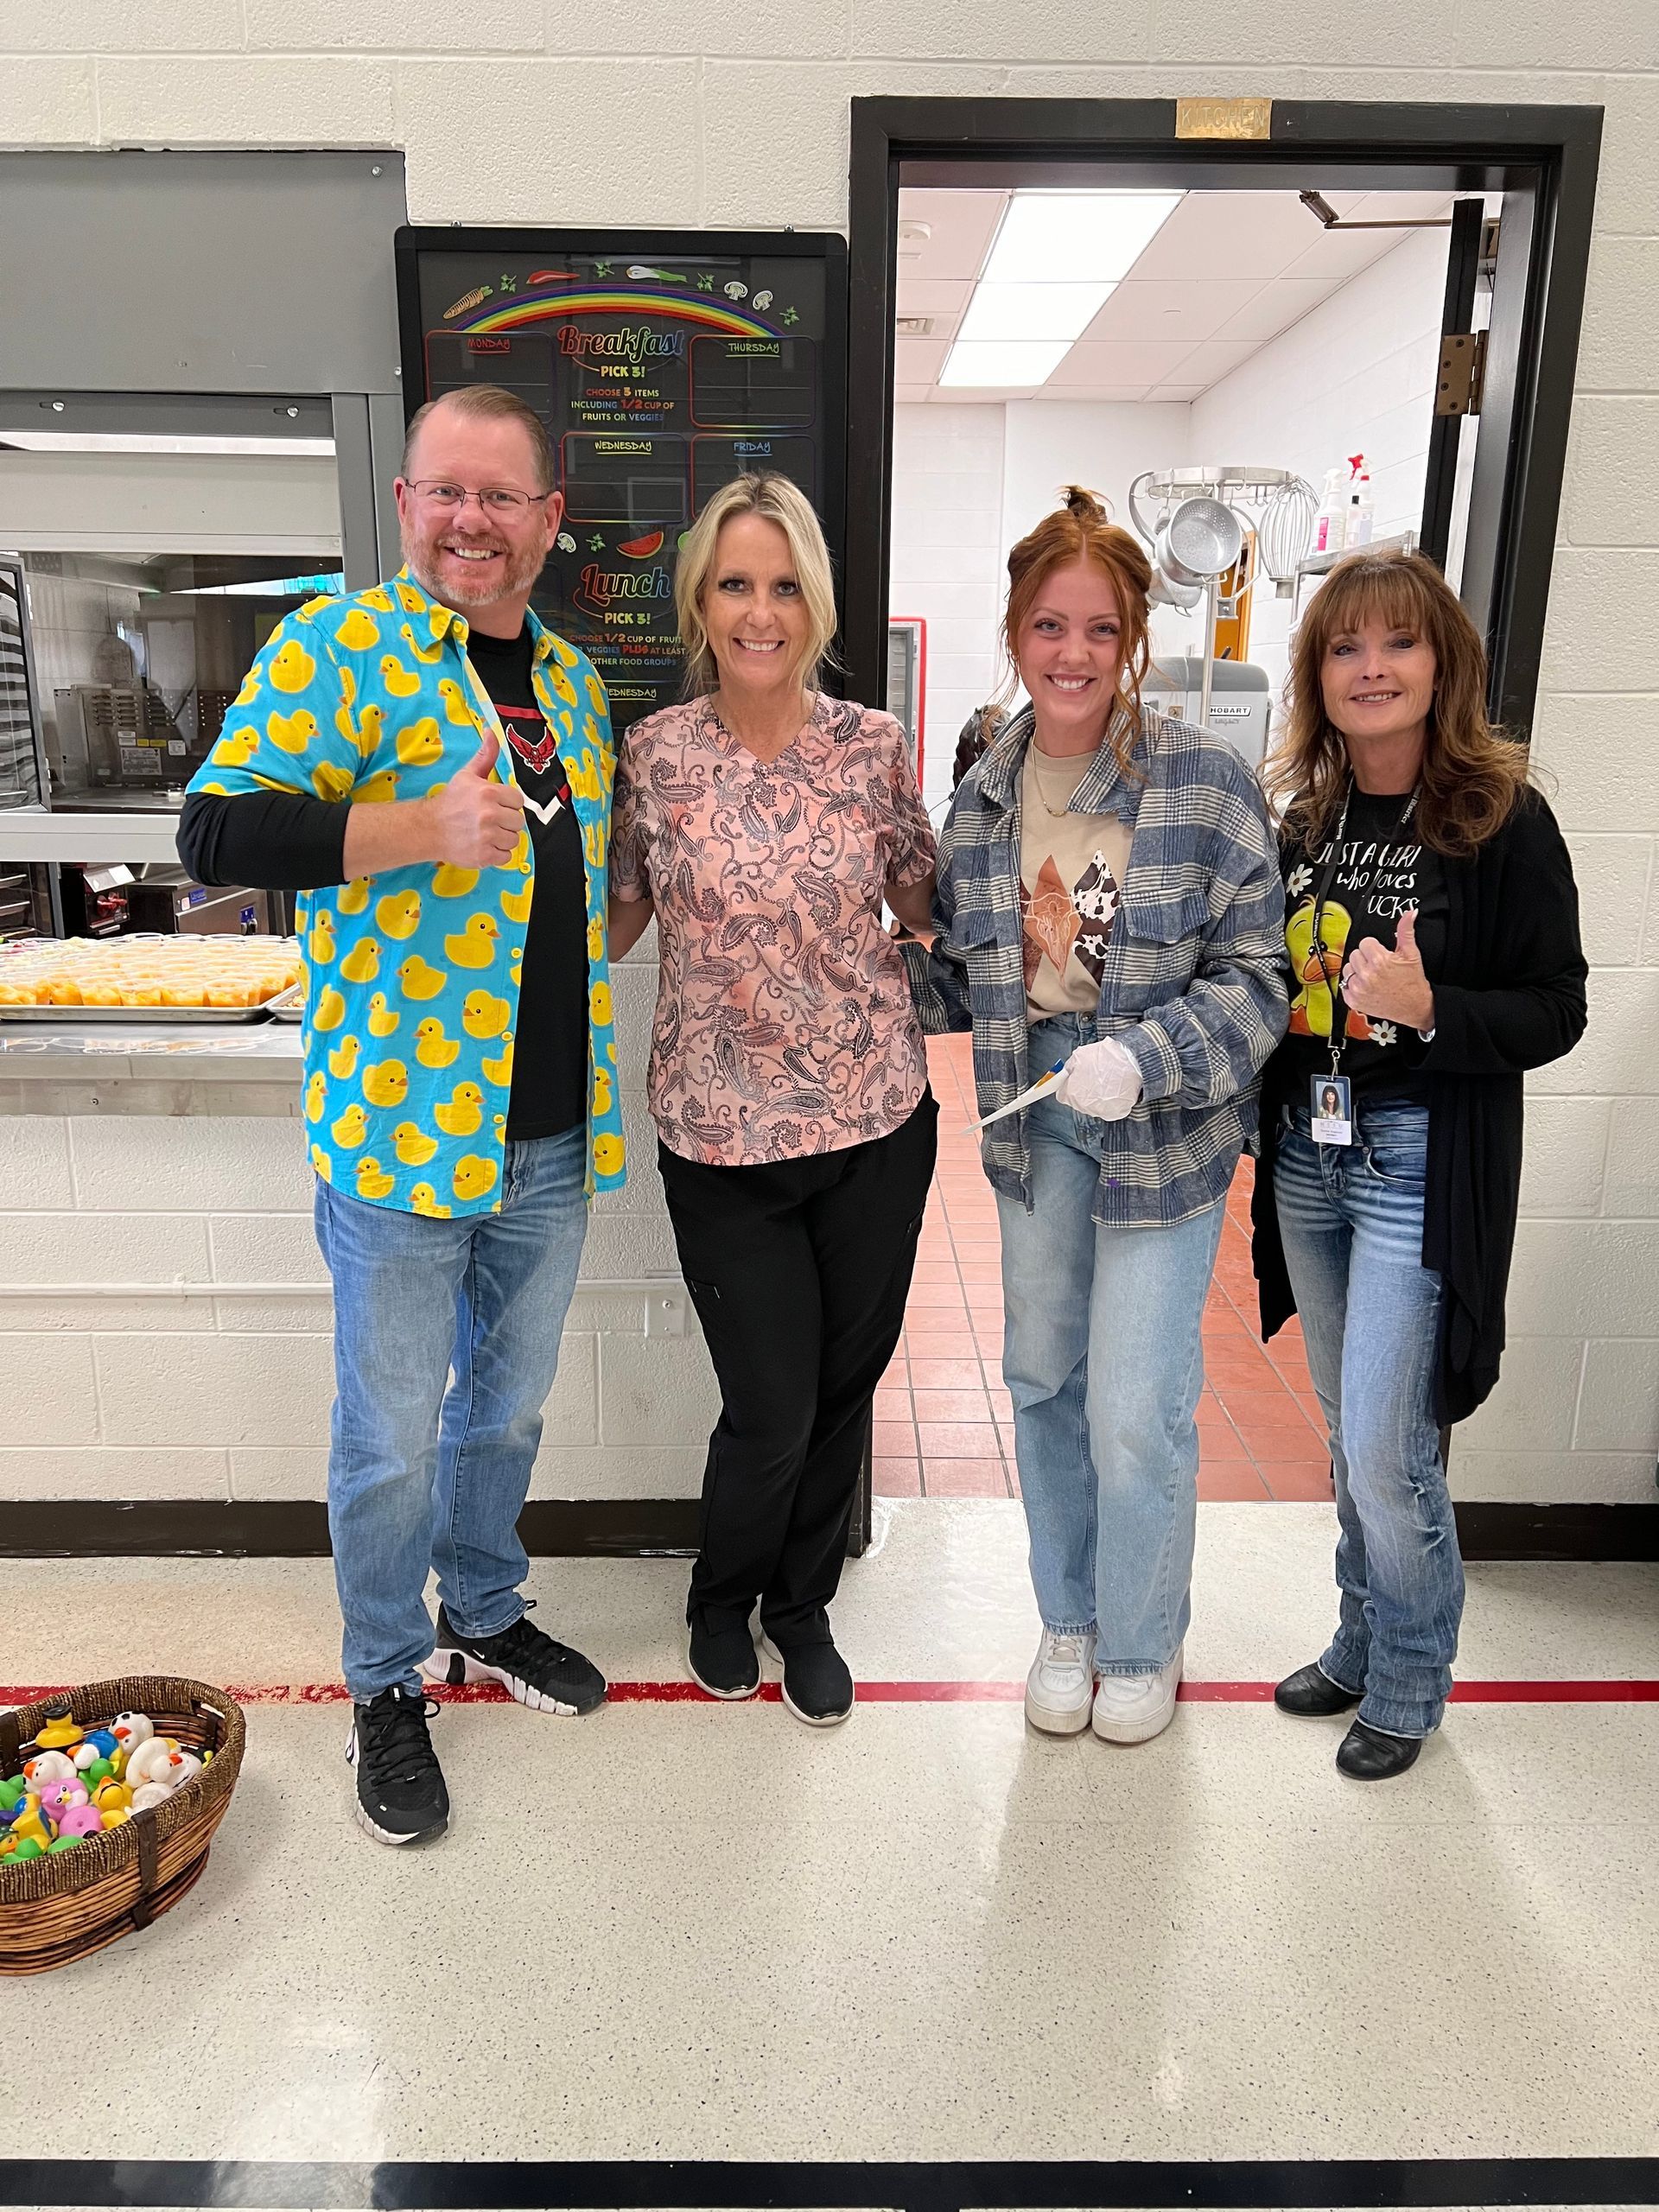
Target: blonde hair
(1081, 529)
(486, 403)
(1472, 774)
(774, 498)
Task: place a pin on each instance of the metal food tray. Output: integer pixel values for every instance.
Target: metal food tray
(71, 1016)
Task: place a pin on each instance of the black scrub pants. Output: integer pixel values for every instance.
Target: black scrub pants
(799, 1270)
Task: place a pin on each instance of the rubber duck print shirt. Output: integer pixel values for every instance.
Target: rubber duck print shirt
(412, 977)
(785, 1026)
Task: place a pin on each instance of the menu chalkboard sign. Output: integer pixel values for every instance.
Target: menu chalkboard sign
(663, 366)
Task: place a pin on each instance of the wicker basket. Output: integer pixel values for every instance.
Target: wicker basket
(56, 1908)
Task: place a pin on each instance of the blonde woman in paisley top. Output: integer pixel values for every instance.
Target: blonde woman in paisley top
(766, 825)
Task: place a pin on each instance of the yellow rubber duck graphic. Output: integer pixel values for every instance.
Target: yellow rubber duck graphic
(1315, 967)
(316, 1098)
(417, 979)
(321, 1164)
(292, 733)
(427, 653)
(386, 1082)
(362, 963)
(354, 896)
(414, 1149)
(501, 1071)
(408, 597)
(483, 1016)
(456, 705)
(398, 913)
(421, 744)
(348, 686)
(451, 882)
(291, 668)
(357, 631)
(432, 1048)
(563, 690)
(378, 598)
(595, 936)
(249, 690)
(378, 788)
(331, 1009)
(515, 905)
(371, 728)
(349, 1131)
(463, 1115)
(596, 691)
(599, 1005)
(402, 683)
(601, 1091)
(236, 750)
(608, 1153)
(373, 1181)
(382, 1020)
(475, 946)
(519, 857)
(473, 1178)
(320, 946)
(332, 783)
(423, 1199)
(342, 1060)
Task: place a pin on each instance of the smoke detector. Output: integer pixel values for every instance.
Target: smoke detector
(912, 237)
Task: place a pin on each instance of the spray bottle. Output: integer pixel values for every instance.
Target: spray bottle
(1330, 522)
(1361, 511)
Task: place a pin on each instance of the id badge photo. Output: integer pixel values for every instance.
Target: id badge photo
(1331, 1097)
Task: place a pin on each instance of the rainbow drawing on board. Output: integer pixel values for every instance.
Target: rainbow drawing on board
(707, 314)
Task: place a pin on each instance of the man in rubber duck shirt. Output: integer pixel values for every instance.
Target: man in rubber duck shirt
(431, 769)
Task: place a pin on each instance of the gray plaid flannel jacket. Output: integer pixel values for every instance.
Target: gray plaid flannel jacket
(1194, 982)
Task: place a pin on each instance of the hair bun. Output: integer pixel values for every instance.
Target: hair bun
(1086, 506)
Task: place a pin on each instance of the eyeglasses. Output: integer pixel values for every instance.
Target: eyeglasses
(495, 499)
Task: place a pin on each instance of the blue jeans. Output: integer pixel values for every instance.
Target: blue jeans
(1351, 1218)
(1103, 1357)
(445, 1345)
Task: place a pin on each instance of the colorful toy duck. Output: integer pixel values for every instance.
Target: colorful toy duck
(155, 1760)
(97, 1744)
(131, 1729)
(58, 1799)
(29, 1828)
(149, 1796)
(60, 1735)
(48, 1767)
(81, 1821)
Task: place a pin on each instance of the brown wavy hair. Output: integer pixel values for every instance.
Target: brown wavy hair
(1473, 775)
(1082, 529)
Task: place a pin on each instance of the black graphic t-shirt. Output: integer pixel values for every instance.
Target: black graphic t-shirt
(549, 1049)
(1382, 868)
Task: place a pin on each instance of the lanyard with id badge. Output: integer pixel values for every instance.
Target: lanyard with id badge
(1331, 1096)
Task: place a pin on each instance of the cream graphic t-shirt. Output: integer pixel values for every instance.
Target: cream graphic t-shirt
(1071, 866)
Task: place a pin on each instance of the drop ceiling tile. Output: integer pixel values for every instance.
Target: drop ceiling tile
(1336, 258)
(934, 296)
(1207, 365)
(1275, 308)
(909, 395)
(1110, 395)
(918, 361)
(1145, 313)
(962, 226)
(1229, 234)
(1144, 364)
(1175, 395)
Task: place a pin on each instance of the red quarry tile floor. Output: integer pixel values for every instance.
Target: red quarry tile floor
(943, 1425)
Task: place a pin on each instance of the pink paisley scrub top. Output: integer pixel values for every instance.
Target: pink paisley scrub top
(785, 1026)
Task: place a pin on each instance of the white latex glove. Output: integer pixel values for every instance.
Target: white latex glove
(1100, 1080)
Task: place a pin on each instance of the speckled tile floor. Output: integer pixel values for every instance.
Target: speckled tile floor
(686, 1930)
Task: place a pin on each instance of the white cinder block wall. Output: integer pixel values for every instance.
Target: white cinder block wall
(600, 112)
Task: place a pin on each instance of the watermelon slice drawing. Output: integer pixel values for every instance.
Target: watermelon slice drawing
(642, 549)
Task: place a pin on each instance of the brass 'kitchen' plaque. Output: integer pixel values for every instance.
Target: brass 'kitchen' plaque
(1223, 118)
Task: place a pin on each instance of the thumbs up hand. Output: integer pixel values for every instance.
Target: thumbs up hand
(1390, 986)
(475, 819)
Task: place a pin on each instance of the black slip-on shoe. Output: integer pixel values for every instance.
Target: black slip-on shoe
(1310, 1692)
(817, 1681)
(401, 1797)
(1367, 1755)
(722, 1661)
(548, 1677)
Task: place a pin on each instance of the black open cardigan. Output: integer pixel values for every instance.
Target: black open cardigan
(1509, 997)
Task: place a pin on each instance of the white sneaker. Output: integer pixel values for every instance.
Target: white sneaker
(1060, 1687)
(1134, 1708)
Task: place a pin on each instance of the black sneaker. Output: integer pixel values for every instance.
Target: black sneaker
(722, 1660)
(817, 1681)
(547, 1677)
(400, 1793)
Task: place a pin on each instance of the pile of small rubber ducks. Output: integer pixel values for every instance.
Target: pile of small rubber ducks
(77, 1782)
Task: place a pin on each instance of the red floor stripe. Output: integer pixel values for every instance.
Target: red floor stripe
(1637, 1692)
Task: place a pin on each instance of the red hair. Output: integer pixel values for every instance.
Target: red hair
(1082, 529)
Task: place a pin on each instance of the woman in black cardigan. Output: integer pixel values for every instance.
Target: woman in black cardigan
(1433, 936)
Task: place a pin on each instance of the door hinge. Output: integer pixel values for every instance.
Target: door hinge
(1463, 372)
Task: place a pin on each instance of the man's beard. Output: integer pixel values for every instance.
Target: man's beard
(516, 574)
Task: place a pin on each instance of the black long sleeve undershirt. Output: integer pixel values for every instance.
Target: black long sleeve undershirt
(268, 840)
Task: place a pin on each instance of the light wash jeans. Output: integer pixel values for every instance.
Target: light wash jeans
(1351, 1218)
(445, 1345)
(1103, 1357)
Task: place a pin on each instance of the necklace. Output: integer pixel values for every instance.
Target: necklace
(1036, 758)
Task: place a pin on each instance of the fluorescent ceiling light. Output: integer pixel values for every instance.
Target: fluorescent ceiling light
(1031, 311)
(1076, 238)
(1011, 363)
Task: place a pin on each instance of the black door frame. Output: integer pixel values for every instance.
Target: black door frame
(1543, 158)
